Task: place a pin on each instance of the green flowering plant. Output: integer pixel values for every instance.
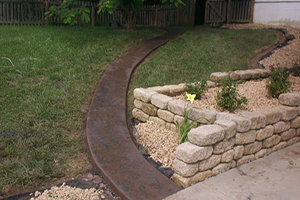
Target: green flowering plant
(197, 88)
(185, 126)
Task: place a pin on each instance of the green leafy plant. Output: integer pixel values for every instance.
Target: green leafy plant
(278, 82)
(69, 13)
(229, 98)
(196, 88)
(296, 69)
(184, 127)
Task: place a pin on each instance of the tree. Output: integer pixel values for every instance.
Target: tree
(128, 9)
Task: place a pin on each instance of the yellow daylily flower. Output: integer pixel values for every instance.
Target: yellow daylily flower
(190, 97)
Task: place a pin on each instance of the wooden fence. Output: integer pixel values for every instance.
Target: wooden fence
(31, 12)
(220, 11)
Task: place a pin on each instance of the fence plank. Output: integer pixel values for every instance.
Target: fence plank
(31, 12)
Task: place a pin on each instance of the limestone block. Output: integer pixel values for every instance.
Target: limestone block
(177, 107)
(281, 145)
(290, 99)
(175, 89)
(258, 120)
(184, 169)
(245, 138)
(185, 182)
(217, 76)
(273, 115)
(211, 84)
(288, 134)
(190, 153)
(262, 134)
(264, 73)
(180, 119)
(209, 163)
(140, 115)
(223, 146)
(201, 176)
(295, 123)
(272, 141)
(239, 75)
(206, 135)
(158, 121)
(242, 123)
(165, 115)
(223, 167)
(161, 100)
(288, 113)
(298, 132)
(252, 148)
(245, 159)
(171, 127)
(138, 103)
(293, 141)
(238, 152)
(160, 90)
(227, 156)
(262, 153)
(149, 109)
(203, 116)
(254, 73)
(229, 127)
(233, 164)
(143, 94)
(281, 126)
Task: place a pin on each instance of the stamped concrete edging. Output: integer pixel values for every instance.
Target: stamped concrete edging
(111, 149)
(227, 140)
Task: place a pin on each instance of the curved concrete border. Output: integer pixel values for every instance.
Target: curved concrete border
(109, 142)
(264, 53)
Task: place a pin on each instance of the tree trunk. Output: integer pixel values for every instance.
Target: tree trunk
(131, 20)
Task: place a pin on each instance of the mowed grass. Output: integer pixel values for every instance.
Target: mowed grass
(199, 52)
(44, 96)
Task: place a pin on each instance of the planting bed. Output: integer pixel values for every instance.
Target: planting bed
(227, 140)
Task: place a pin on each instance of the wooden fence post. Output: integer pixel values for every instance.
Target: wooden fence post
(93, 15)
(228, 11)
(156, 15)
(46, 10)
(252, 11)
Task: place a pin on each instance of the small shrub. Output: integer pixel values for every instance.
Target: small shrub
(296, 69)
(229, 98)
(196, 88)
(278, 82)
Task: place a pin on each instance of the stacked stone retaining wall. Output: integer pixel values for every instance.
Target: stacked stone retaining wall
(224, 141)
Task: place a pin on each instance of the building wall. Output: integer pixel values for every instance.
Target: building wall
(277, 12)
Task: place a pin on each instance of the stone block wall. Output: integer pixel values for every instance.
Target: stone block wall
(225, 140)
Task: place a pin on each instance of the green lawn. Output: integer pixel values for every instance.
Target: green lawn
(199, 52)
(44, 96)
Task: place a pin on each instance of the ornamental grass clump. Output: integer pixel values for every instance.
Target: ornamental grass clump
(229, 98)
(278, 82)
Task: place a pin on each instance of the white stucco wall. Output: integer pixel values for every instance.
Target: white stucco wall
(277, 12)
